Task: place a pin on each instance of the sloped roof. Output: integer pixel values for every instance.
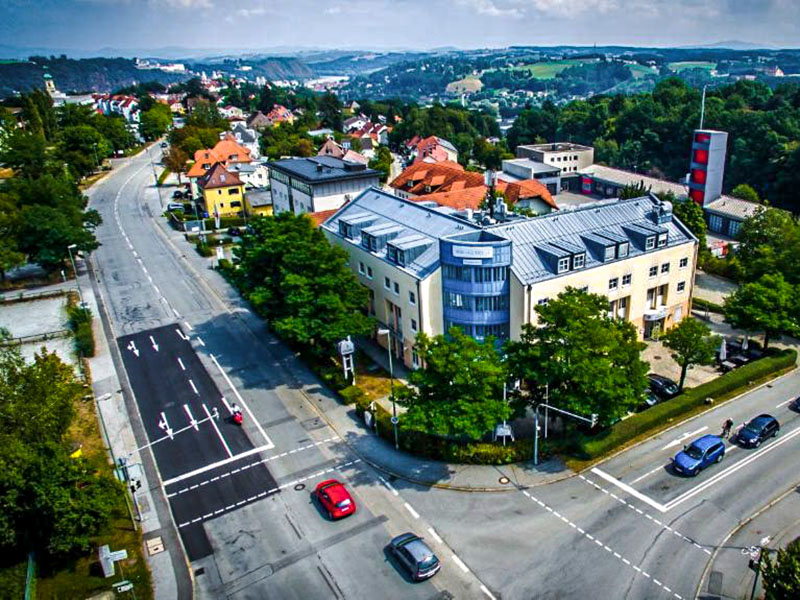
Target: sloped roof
(331, 148)
(625, 178)
(218, 177)
(527, 188)
(440, 177)
(734, 208)
(458, 199)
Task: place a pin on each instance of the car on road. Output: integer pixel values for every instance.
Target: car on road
(415, 555)
(175, 206)
(759, 429)
(702, 452)
(663, 387)
(163, 144)
(177, 194)
(335, 499)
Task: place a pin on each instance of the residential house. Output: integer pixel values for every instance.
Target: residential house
(354, 123)
(422, 178)
(222, 192)
(247, 137)
(253, 174)
(305, 185)
(434, 149)
(331, 148)
(258, 120)
(225, 152)
(258, 202)
(231, 112)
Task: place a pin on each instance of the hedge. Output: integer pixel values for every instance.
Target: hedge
(700, 304)
(424, 444)
(660, 414)
(80, 322)
(163, 177)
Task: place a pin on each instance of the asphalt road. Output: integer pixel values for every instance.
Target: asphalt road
(240, 497)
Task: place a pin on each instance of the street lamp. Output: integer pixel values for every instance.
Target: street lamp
(388, 335)
(70, 248)
(591, 420)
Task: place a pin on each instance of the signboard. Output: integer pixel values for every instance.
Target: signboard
(473, 251)
(473, 261)
(108, 558)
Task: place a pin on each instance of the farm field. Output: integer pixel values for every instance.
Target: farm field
(691, 64)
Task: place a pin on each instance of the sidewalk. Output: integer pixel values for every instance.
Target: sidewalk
(729, 576)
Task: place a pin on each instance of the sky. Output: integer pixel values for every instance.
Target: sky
(90, 25)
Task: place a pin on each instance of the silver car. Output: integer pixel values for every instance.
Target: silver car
(415, 555)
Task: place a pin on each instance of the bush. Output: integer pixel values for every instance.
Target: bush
(701, 304)
(352, 394)
(660, 414)
(203, 249)
(80, 322)
(224, 264)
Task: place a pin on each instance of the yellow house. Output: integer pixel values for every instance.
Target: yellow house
(223, 192)
(258, 203)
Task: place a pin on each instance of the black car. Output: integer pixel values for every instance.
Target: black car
(163, 144)
(757, 430)
(649, 399)
(177, 194)
(416, 556)
(663, 387)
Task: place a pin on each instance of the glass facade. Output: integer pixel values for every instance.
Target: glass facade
(476, 283)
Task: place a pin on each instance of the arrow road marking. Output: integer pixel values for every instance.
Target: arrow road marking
(132, 347)
(180, 334)
(163, 424)
(683, 438)
(155, 346)
(192, 420)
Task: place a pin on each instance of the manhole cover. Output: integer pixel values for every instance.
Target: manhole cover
(299, 487)
(504, 480)
(154, 546)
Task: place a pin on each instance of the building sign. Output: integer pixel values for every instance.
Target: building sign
(473, 251)
(472, 262)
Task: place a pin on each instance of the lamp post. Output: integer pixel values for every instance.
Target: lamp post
(388, 335)
(70, 248)
(591, 420)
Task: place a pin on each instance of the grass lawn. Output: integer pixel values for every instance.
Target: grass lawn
(549, 69)
(691, 64)
(639, 71)
(82, 576)
(163, 177)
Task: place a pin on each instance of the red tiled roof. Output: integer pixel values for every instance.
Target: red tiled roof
(443, 176)
(458, 199)
(218, 177)
(527, 188)
(320, 216)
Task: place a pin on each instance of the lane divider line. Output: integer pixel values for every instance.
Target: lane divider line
(219, 433)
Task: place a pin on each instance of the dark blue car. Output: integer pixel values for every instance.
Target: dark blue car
(698, 455)
(756, 431)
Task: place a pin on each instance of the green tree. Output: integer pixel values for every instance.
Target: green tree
(634, 191)
(114, 129)
(154, 123)
(459, 390)
(690, 214)
(175, 160)
(770, 243)
(299, 282)
(10, 256)
(692, 344)
(746, 192)
(768, 305)
(330, 109)
(24, 152)
(590, 361)
(382, 162)
(83, 147)
(782, 575)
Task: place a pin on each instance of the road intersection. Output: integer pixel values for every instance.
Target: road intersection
(240, 496)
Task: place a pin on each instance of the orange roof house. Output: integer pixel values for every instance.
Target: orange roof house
(428, 178)
(227, 151)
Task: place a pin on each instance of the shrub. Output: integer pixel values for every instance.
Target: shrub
(701, 304)
(224, 264)
(80, 322)
(679, 406)
(203, 249)
(352, 394)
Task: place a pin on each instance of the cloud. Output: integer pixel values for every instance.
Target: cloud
(333, 10)
(256, 11)
(186, 3)
(493, 8)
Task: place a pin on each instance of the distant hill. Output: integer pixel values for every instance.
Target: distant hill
(84, 75)
(733, 45)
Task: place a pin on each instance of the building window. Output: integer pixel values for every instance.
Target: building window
(413, 325)
(578, 261)
(386, 283)
(715, 223)
(396, 288)
(584, 289)
(650, 242)
(415, 359)
(610, 250)
(733, 228)
(622, 250)
(412, 297)
(369, 272)
(665, 268)
(626, 279)
(683, 263)
(454, 300)
(563, 264)
(361, 268)
(233, 191)
(662, 240)
(653, 272)
(613, 283)
(681, 286)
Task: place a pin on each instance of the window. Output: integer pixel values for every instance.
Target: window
(414, 358)
(622, 250)
(610, 251)
(715, 223)
(681, 286)
(662, 240)
(412, 297)
(396, 288)
(361, 268)
(578, 261)
(650, 242)
(684, 262)
(584, 289)
(369, 272)
(233, 191)
(454, 300)
(626, 279)
(563, 264)
(653, 272)
(665, 268)
(386, 283)
(413, 325)
(733, 228)
(613, 283)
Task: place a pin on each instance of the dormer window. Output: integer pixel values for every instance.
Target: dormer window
(623, 249)
(650, 242)
(578, 261)
(610, 253)
(563, 264)
(346, 230)
(662, 239)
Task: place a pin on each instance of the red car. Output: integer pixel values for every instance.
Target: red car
(335, 499)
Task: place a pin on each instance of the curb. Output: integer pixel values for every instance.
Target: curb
(739, 527)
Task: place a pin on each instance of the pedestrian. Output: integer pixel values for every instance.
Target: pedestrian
(726, 427)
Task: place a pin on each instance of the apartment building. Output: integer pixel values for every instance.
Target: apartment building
(428, 268)
(569, 157)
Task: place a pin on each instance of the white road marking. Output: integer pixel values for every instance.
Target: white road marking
(200, 341)
(227, 406)
(411, 510)
(177, 314)
(460, 563)
(192, 420)
(215, 465)
(638, 479)
(181, 335)
(784, 403)
(191, 383)
(683, 438)
(388, 486)
(180, 362)
(435, 535)
(242, 402)
(626, 488)
(189, 327)
(158, 291)
(219, 433)
(486, 591)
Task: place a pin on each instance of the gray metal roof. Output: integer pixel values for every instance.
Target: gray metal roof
(318, 169)
(414, 220)
(531, 238)
(733, 208)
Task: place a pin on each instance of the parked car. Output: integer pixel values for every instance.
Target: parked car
(702, 452)
(335, 499)
(415, 555)
(663, 387)
(648, 400)
(177, 194)
(164, 144)
(175, 206)
(759, 429)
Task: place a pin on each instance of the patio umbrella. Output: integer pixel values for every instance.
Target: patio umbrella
(723, 351)
(744, 344)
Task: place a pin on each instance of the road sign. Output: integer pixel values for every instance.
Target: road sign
(122, 586)
(395, 420)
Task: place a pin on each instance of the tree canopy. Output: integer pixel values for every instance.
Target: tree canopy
(782, 574)
(769, 305)
(691, 344)
(770, 243)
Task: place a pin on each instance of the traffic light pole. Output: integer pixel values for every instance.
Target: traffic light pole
(591, 420)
